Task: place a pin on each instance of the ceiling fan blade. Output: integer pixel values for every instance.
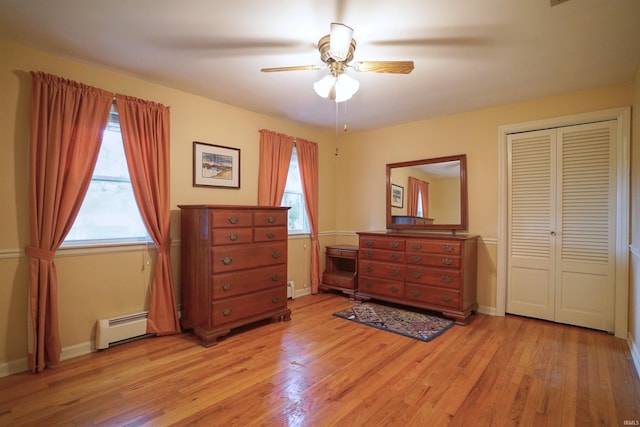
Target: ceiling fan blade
(396, 67)
(294, 68)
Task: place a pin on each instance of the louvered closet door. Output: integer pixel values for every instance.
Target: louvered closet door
(532, 172)
(562, 225)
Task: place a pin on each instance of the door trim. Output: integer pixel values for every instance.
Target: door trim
(623, 175)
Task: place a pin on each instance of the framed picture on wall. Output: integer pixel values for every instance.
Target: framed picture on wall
(397, 196)
(215, 166)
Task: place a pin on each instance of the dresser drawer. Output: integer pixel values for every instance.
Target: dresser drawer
(231, 218)
(228, 285)
(341, 253)
(261, 219)
(397, 244)
(434, 277)
(382, 270)
(231, 310)
(339, 279)
(446, 247)
(448, 261)
(375, 286)
(231, 236)
(435, 296)
(239, 257)
(381, 255)
(269, 234)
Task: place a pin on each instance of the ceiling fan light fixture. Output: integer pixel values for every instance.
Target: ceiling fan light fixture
(338, 89)
(345, 87)
(323, 86)
(340, 41)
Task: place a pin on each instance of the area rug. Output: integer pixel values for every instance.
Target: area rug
(401, 321)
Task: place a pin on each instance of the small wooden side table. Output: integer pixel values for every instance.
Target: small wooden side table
(341, 269)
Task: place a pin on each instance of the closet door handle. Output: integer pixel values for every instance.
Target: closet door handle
(553, 233)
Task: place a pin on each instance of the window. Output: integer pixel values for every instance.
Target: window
(294, 197)
(420, 207)
(109, 213)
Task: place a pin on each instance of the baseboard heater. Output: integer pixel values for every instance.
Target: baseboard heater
(291, 290)
(119, 330)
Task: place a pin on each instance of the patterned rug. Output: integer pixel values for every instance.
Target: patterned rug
(411, 324)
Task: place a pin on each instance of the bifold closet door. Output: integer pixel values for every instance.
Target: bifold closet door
(562, 192)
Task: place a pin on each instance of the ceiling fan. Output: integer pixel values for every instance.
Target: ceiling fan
(336, 51)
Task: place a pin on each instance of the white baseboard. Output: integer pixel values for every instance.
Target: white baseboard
(635, 353)
(491, 311)
(303, 292)
(21, 365)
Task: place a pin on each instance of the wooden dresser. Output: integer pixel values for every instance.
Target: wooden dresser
(431, 271)
(233, 267)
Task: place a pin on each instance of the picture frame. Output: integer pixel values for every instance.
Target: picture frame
(215, 165)
(397, 196)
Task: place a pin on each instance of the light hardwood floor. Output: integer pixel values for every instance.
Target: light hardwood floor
(320, 370)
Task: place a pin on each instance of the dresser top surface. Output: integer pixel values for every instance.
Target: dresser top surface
(413, 235)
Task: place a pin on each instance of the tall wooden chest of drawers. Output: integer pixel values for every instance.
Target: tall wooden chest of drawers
(233, 267)
(431, 271)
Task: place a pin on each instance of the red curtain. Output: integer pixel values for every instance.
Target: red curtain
(145, 134)
(308, 161)
(421, 188)
(275, 154)
(67, 121)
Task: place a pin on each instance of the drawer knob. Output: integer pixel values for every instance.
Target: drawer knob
(415, 293)
(394, 245)
(393, 289)
(233, 237)
(275, 277)
(416, 258)
(416, 275)
(270, 234)
(368, 253)
(233, 220)
(395, 257)
(271, 219)
(368, 285)
(227, 260)
(275, 299)
(446, 279)
(369, 269)
(227, 312)
(336, 281)
(417, 246)
(447, 261)
(447, 248)
(368, 242)
(275, 254)
(227, 286)
(446, 298)
(394, 272)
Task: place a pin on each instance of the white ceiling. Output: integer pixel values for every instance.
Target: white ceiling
(468, 54)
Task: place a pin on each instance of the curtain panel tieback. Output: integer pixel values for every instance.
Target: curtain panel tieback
(42, 254)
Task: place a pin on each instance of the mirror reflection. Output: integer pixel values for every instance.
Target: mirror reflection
(429, 193)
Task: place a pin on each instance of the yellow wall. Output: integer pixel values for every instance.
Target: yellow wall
(634, 283)
(101, 283)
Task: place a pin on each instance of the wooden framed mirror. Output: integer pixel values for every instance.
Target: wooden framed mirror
(427, 194)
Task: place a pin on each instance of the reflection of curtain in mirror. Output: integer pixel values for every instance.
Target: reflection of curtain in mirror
(417, 188)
